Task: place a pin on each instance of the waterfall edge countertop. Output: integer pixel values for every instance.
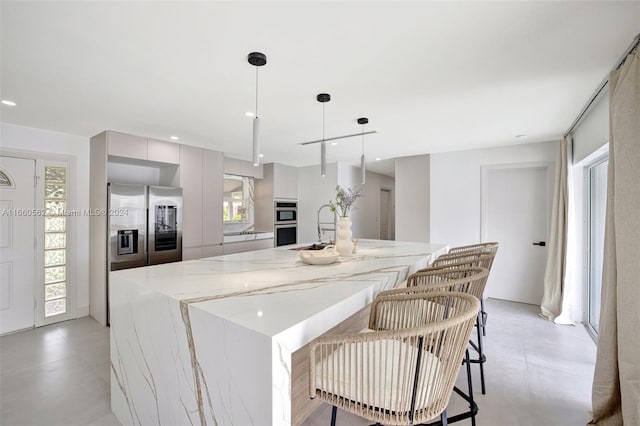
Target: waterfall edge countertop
(210, 341)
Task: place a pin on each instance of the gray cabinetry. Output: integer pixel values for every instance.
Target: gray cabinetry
(139, 148)
(233, 166)
(126, 146)
(285, 181)
(191, 183)
(163, 152)
(212, 178)
(201, 181)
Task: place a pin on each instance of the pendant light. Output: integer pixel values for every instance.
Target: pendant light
(323, 98)
(362, 121)
(256, 59)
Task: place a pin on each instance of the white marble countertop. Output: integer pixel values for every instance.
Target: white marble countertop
(238, 238)
(271, 290)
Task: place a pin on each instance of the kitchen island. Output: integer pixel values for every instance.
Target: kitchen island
(210, 341)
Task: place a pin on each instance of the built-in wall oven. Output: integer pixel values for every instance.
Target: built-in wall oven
(286, 223)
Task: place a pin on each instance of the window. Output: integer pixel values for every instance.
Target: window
(4, 180)
(237, 203)
(55, 241)
(597, 206)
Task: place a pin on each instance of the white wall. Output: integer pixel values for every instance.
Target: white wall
(593, 130)
(366, 215)
(455, 187)
(412, 199)
(313, 192)
(41, 143)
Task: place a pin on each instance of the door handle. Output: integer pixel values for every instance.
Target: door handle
(541, 244)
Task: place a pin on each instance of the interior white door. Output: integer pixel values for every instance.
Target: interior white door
(516, 209)
(17, 252)
(384, 214)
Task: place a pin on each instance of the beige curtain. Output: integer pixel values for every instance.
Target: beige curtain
(616, 383)
(558, 277)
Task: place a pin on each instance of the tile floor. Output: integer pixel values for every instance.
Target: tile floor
(537, 373)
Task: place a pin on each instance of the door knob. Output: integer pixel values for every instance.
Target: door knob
(541, 244)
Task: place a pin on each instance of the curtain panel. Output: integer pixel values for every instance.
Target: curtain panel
(559, 285)
(616, 384)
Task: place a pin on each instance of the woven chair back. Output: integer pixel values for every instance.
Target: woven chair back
(471, 280)
(489, 246)
(472, 259)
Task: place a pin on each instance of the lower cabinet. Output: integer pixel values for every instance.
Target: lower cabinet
(211, 251)
(191, 253)
(242, 246)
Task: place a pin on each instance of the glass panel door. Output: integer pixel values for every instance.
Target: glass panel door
(55, 241)
(597, 210)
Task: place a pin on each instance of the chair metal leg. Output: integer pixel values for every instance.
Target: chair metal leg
(484, 317)
(334, 411)
(470, 386)
(481, 357)
(443, 418)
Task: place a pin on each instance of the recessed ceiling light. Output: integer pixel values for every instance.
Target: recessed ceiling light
(334, 143)
(10, 103)
(521, 136)
(249, 114)
(174, 138)
(378, 158)
(261, 155)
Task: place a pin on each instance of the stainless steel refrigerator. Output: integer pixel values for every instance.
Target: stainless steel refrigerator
(145, 225)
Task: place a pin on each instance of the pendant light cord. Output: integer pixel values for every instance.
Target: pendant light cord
(363, 139)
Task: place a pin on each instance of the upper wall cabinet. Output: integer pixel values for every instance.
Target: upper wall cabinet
(127, 146)
(139, 148)
(233, 166)
(285, 181)
(164, 152)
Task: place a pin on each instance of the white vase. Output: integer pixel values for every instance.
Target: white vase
(344, 244)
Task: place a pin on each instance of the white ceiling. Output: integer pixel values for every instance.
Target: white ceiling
(431, 76)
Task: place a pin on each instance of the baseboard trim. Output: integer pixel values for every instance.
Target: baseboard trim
(82, 311)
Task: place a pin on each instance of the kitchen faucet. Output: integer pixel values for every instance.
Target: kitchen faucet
(321, 230)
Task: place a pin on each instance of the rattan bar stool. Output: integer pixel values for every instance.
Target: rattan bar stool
(465, 279)
(403, 370)
(470, 258)
(488, 246)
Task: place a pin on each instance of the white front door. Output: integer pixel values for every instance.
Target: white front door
(384, 214)
(516, 209)
(17, 252)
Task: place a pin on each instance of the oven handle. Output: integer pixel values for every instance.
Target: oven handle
(286, 225)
